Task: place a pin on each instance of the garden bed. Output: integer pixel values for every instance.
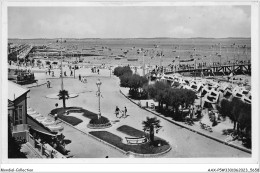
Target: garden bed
(104, 122)
(145, 148)
(131, 131)
(136, 133)
(100, 123)
(85, 112)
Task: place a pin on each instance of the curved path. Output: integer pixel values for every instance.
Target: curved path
(185, 143)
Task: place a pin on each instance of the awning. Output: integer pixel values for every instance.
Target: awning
(39, 127)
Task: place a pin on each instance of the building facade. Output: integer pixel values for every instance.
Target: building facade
(17, 111)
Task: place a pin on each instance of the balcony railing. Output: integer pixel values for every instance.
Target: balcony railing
(20, 128)
(20, 133)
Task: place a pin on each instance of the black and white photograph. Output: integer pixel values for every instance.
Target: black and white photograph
(121, 81)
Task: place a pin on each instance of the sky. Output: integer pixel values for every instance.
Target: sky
(129, 22)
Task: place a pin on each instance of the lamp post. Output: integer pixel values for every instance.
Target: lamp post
(74, 70)
(99, 94)
(61, 74)
(142, 51)
(143, 65)
(110, 70)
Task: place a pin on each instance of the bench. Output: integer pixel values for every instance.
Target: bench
(136, 141)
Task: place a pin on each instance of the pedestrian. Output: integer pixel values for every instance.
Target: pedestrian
(79, 77)
(48, 84)
(71, 73)
(98, 70)
(56, 117)
(125, 111)
(117, 111)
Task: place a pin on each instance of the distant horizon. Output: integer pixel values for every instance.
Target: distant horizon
(132, 38)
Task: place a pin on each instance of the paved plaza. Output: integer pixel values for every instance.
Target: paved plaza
(184, 143)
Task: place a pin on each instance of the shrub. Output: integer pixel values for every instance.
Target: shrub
(101, 120)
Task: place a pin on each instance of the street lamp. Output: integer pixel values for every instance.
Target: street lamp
(142, 51)
(99, 94)
(61, 74)
(110, 68)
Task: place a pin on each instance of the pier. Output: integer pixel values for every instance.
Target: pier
(215, 70)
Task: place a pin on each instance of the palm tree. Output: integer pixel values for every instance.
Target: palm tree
(150, 125)
(63, 94)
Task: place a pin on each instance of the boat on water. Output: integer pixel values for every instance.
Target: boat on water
(132, 59)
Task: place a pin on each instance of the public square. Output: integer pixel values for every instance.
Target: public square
(184, 143)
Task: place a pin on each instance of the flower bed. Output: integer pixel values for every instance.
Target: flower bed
(102, 122)
(69, 119)
(138, 133)
(85, 112)
(130, 131)
(145, 148)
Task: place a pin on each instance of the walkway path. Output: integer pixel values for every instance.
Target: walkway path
(184, 142)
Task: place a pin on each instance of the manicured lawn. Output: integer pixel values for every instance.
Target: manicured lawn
(115, 140)
(130, 131)
(85, 112)
(73, 120)
(70, 119)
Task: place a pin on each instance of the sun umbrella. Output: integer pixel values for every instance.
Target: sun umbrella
(48, 122)
(36, 115)
(55, 128)
(31, 112)
(41, 118)
(29, 109)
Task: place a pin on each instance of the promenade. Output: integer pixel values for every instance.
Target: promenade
(185, 143)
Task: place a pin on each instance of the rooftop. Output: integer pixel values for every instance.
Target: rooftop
(15, 91)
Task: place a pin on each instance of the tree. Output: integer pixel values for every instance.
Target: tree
(235, 110)
(125, 80)
(238, 112)
(119, 71)
(63, 95)
(244, 118)
(135, 83)
(224, 108)
(179, 97)
(157, 92)
(151, 125)
(189, 96)
(164, 94)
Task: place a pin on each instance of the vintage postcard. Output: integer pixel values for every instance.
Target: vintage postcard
(130, 82)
